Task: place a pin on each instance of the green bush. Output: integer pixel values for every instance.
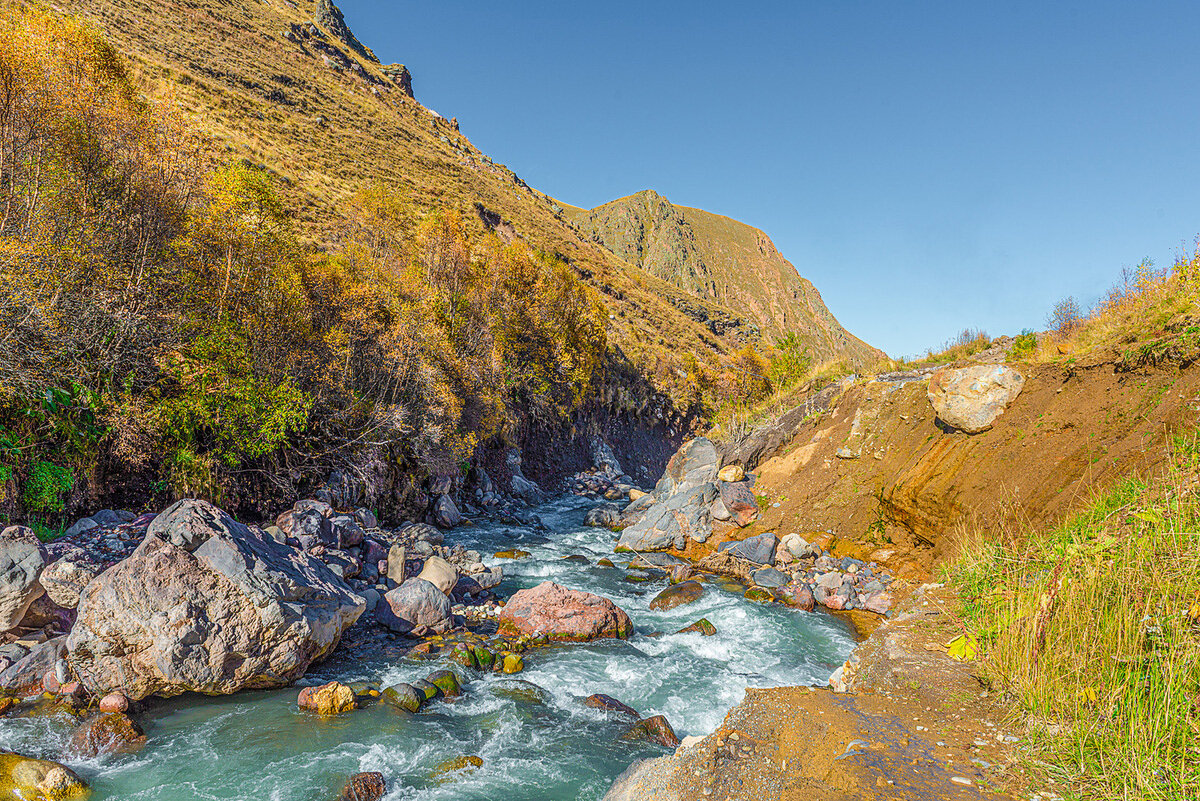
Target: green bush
(219, 402)
(46, 487)
(1024, 344)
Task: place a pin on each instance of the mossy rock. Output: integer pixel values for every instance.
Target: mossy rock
(701, 626)
(446, 681)
(513, 663)
(461, 764)
(426, 688)
(514, 553)
(465, 656)
(578, 559)
(484, 658)
(38, 780)
(605, 563)
(521, 691)
(404, 696)
(759, 595)
(685, 592)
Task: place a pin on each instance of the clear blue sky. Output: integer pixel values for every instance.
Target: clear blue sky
(928, 165)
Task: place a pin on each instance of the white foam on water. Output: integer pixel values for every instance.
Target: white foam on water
(259, 746)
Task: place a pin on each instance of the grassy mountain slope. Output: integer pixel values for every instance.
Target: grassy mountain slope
(724, 261)
(330, 121)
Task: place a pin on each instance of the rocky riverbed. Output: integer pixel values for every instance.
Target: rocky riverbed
(187, 655)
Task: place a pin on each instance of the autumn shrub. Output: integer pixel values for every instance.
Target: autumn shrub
(168, 315)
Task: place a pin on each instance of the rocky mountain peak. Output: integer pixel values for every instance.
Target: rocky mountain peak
(329, 17)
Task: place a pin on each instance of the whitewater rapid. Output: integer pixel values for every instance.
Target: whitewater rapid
(535, 746)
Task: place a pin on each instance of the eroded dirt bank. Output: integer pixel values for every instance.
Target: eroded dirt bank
(885, 479)
(877, 476)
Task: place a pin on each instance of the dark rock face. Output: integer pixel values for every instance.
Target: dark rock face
(770, 438)
(206, 604)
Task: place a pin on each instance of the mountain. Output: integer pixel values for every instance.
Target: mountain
(287, 86)
(723, 261)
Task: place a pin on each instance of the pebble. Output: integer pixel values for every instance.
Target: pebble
(964, 781)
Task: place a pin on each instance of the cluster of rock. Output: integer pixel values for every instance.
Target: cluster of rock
(606, 479)
(655, 729)
(694, 491)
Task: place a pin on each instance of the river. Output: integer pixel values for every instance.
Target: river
(258, 746)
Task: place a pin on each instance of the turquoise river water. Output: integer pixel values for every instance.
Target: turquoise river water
(259, 747)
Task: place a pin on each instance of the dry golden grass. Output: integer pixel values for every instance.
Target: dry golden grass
(1094, 628)
(329, 133)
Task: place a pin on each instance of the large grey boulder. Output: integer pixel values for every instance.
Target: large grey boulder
(415, 607)
(759, 549)
(520, 486)
(672, 522)
(206, 604)
(971, 398)
(446, 514)
(696, 462)
(65, 578)
(22, 559)
(24, 676)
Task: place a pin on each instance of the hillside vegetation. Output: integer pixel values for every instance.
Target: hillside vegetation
(266, 84)
(165, 320)
(725, 261)
(246, 257)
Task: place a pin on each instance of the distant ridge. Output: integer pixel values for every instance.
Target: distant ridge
(723, 261)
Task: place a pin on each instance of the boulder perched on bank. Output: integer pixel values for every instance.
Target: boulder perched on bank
(22, 559)
(562, 614)
(416, 607)
(971, 398)
(206, 604)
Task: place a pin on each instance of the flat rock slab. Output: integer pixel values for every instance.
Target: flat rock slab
(759, 549)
